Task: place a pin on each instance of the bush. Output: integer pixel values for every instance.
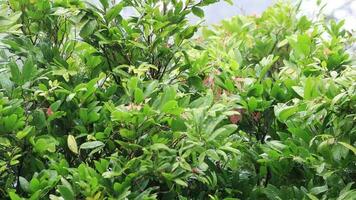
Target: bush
(96, 105)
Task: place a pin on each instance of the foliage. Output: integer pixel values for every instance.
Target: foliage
(98, 105)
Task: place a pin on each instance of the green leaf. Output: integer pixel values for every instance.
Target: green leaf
(128, 134)
(178, 124)
(132, 84)
(25, 185)
(28, 70)
(66, 184)
(212, 154)
(150, 88)
(34, 185)
(10, 122)
(309, 88)
(267, 63)
(92, 145)
(301, 45)
(104, 3)
(15, 73)
(299, 90)
(283, 112)
(198, 11)
(224, 131)
(208, 2)
(5, 142)
(188, 32)
(160, 146)
(66, 193)
(139, 97)
(272, 192)
(93, 116)
(114, 11)
(171, 107)
(39, 119)
(45, 144)
(83, 114)
(55, 106)
(347, 194)
(319, 190)
(70, 97)
(88, 28)
(348, 146)
(14, 196)
(181, 182)
(229, 2)
(339, 151)
(72, 144)
(24, 133)
(252, 104)
(256, 90)
(121, 116)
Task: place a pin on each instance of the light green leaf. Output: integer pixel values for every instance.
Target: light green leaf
(139, 97)
(24, 133)
(171, 107)
(128, 134)
(14, 196)
(181, 182)
(72, 144)
(45, 144)
(160, 146)
(252, 104)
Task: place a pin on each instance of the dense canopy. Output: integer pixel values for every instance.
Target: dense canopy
(95, 105)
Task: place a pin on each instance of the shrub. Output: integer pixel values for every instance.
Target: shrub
(97, 105)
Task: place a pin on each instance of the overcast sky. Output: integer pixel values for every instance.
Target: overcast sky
(216, 12)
